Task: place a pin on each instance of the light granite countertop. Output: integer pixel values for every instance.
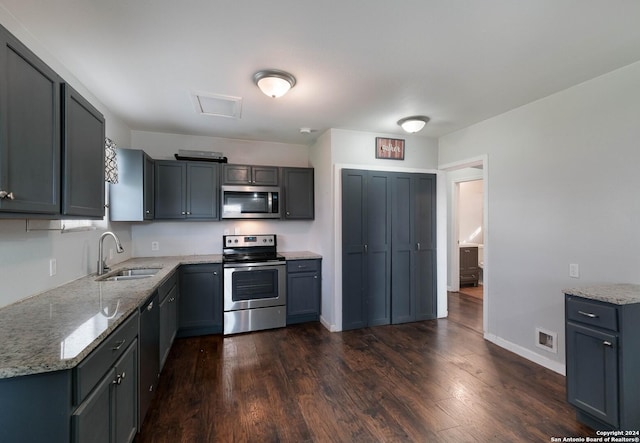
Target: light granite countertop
(57, 329)
(618, 294)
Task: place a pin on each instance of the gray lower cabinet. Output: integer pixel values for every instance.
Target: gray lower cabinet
(132, 199)
(109, 413)
(186, 190)
(603, 362)
(29, 131)
(168, 293)
(83, 140)
(200, 306)
(388, 248)
(106, 389)
(149, 342)
(303, 290)
(298, 190)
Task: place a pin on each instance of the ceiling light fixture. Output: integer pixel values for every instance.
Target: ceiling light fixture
(414, 123)
(273, 82)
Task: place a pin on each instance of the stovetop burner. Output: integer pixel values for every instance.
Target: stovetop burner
(250, 248)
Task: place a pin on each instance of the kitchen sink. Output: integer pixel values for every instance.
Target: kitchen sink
(130, 274)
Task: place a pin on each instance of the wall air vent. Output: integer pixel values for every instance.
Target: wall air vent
(217, 105)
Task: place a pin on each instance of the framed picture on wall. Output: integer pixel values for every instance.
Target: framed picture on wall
(390, 148)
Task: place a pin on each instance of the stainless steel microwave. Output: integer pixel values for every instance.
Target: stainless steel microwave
(250, 202)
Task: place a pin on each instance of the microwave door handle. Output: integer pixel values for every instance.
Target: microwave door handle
(269, 202)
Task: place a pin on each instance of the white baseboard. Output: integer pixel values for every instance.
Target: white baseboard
(526, 353)
(326, 324)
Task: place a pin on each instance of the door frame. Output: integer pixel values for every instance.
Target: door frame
(453, 261)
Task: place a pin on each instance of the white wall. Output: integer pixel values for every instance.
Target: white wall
(563, 188)
(470, 212)
(24, 256)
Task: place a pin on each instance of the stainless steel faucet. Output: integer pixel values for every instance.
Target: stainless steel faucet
(102, 266)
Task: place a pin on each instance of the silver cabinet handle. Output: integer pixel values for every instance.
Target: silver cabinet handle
(119, 345)
(315, 276)
(587, 314)
(148, 212)
(366, 249)
(188, 213)
(150, 307)
(607, 343)
(418, 245)
(4, 195)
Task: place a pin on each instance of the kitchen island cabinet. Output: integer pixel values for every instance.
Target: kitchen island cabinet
(603, 355)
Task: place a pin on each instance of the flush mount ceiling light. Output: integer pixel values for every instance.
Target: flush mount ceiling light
(414, 123)
(273, 82)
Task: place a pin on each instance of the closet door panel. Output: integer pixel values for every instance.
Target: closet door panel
(402, 249)
(354, 273)
(378, 250)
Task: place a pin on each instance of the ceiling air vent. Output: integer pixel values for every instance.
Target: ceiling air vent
(218, 105)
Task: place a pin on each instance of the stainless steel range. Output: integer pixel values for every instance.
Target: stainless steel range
(255, 284)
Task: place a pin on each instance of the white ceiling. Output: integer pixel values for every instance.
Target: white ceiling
(360, 64)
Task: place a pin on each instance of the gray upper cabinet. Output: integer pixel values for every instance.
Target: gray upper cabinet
(29, 131)
(298, 189)
(82, 157)
(186, 190)
(131, 199)
(249, 175)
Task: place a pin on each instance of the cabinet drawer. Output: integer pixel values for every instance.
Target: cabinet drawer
(312, 265)
(592, 313)
(92, 368)
(165, 288)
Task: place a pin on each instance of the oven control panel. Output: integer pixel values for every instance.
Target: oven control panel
(235, 241)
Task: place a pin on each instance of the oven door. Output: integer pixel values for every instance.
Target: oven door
(254, 285)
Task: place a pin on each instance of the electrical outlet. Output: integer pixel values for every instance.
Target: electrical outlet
(155, 246)
(574, 270)
(53, 267)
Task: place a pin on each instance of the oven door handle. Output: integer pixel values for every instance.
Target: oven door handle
(254, 265)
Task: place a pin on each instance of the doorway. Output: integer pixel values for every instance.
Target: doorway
(468, 288)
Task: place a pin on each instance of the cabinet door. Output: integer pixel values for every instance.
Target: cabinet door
(168, 323)
(303, 297)
(149, 342)
(236, 174)
(92, 420)
(126, 395)
(592, 372)
(298, 193)
(29, 130)
(354, 263)
(200, 302)
(147, 187)
(202, 193)
(83, 188)
(264, 175)
(170, 189)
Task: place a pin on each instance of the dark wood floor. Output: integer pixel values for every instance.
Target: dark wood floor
(431, 381)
